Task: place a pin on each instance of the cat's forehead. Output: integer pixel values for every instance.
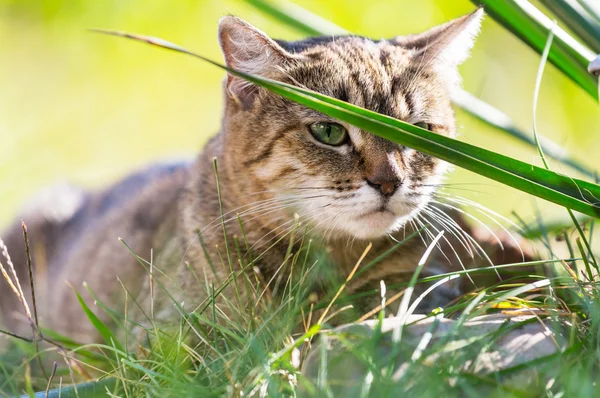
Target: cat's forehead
(352, 49)
(334, 43)
(377, 75)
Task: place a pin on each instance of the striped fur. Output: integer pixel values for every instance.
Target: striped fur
(270, 169)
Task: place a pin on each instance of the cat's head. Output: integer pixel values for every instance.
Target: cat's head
(340, 178)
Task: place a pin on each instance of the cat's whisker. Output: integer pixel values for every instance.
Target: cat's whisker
(477, 246)
(451, 226)
(257, 244)
(221, 221)
(453, 184)
(287, 232)
(417, 228)
(271, 205)
(248, 212)
(450, 186)
(283, 201)
(264, 202)
(498, 240)
(432, 236)
(259, 214)
(330, 229)
(483, 209)
(433, 218)
(287, 189)
(502, 227)
(491, 215)
(321, 222)
(273, 231)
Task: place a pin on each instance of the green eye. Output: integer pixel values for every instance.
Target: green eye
(423, 125)
(329, 133)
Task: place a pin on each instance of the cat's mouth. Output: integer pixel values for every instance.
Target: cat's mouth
(374, 221)
(381, 210)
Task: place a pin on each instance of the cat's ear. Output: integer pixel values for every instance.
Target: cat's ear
(448, 44)
(249, 50)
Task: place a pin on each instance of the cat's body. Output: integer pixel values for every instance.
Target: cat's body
(275, 158)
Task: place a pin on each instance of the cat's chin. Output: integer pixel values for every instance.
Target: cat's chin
(373, 225)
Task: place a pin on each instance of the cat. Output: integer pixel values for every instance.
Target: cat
(279, 165)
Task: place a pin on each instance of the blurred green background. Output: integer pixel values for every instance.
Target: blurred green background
(89, 108)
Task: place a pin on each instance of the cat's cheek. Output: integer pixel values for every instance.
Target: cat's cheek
(277, 174)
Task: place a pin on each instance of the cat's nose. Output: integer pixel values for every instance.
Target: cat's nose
(386, 187)
(383, 172)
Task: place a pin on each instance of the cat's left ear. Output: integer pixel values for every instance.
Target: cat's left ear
(448, 44)
(248, 49)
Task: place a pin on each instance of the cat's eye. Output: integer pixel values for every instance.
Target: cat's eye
(329, 133)
(423, 125)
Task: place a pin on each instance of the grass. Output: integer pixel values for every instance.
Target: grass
(258, 350)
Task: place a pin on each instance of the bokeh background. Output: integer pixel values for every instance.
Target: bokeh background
(89, 108)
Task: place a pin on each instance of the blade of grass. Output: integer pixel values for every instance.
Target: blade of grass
(311, 24)
(512, 293)
(577, 19)
(403, 310)
(573, 193)
(551, 227)
(470, 271)
(298, 17)
(592, 7)
(590, 275)
(360, 260)
(531, 25)
(104, 330)
(538, 84)
(501, 121)
(225, 237)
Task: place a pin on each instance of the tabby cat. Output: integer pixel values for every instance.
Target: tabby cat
(280, 166)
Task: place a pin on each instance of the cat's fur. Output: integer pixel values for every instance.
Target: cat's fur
(270, 167)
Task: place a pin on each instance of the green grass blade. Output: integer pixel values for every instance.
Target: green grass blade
(532, 27)
(538, 84)
(592, 7)
(498, 119)
(312, 24)
(298, 18)
(578, 19)
(552, 227)
(104, 330)
(575, 194)
(306, 22)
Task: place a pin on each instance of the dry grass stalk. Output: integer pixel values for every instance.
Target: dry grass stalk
(13, 283)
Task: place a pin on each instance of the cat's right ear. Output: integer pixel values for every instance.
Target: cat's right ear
(249, 50)
(448, 44)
